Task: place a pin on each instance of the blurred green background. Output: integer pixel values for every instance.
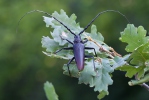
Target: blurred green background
(24, 68)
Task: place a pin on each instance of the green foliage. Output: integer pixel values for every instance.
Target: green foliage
(99, 79)
(24, 68)
(140, 58)
(138, 44)
(131, 70)
(134, 37)
(50, 91)
(140, 81)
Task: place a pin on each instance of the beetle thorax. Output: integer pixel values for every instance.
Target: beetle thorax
(77, 39)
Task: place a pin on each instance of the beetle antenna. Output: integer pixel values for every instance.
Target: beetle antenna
(46, 14)
(100, 14)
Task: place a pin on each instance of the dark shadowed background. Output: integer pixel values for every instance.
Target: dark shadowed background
(24, 68)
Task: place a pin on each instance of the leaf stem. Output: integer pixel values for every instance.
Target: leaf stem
(140, 82)
(145, 86)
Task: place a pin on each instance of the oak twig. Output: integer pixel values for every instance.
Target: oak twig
(112, 53)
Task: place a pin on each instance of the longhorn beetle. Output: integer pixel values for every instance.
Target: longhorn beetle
(78, 46)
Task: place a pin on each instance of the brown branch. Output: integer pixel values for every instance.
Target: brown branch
(113, 53)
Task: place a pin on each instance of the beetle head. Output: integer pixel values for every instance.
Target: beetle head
(77, 39)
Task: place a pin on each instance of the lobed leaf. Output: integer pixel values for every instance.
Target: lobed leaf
(139, 61)
(134, 37)
(50, 91)
(131, 70)
(139, 57)
(59, 29)
(95, 35)
(51, 47)
(49, 44)
(99, 78)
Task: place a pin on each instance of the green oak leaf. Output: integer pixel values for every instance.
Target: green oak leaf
(73, 70)
(87, 75)
(103, 78)
(49, 44)
(134, 37)
(60, 30)
(138, 57)
(132, 70)
(96, 35)
(68, 21)
(99, 78)
(140, 60)
(50, 91)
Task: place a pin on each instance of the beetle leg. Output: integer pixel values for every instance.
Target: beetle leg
(69, 41)
(86, 40)
(69, 48)
(89, 56)
(66, 40)
(69, 63)
(91, 48)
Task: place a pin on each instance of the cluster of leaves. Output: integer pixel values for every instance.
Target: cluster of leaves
(107, 60)
(138, 46)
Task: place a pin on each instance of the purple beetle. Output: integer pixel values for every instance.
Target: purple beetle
(78, 45)
(78, 50)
